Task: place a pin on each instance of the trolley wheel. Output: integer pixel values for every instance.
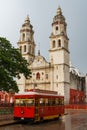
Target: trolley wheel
(41, 119)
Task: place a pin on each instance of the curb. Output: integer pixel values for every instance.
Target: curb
(7, 122)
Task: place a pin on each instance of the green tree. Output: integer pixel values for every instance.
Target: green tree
(12, 64)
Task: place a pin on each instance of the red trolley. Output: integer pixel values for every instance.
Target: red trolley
(37, 105)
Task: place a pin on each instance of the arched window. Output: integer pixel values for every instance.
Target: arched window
(24, 48)
(59, 43)
(56, 28)
(23, 37)
(53, 44)
(38, 76)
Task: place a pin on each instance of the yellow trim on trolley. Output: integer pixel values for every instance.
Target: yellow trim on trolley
(50, 117)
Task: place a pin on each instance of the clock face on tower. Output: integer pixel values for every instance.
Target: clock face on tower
(38, 62)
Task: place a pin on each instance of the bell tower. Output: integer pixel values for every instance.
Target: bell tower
(26, 42)
(59, 55)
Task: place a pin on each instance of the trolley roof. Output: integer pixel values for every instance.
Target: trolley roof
(38, 92)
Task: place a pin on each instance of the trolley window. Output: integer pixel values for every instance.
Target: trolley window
(30, 102)
(57, 101)
(61, 101)
(41, 102)
(53, 101)
(47, 101)
(17, 102)
(24, 102)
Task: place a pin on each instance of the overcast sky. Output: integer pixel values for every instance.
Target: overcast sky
(41, 13)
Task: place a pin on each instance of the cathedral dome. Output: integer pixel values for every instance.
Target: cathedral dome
(27, 21)
(59, 17)
(75, 71)
(26, 26)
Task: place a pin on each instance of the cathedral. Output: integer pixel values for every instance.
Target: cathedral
(57, 74)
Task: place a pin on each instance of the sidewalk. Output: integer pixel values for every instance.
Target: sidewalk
(7, 122)
(6, 119)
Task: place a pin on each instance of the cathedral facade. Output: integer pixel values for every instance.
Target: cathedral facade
(54, 74)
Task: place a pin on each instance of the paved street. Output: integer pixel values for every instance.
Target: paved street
(74, 120)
